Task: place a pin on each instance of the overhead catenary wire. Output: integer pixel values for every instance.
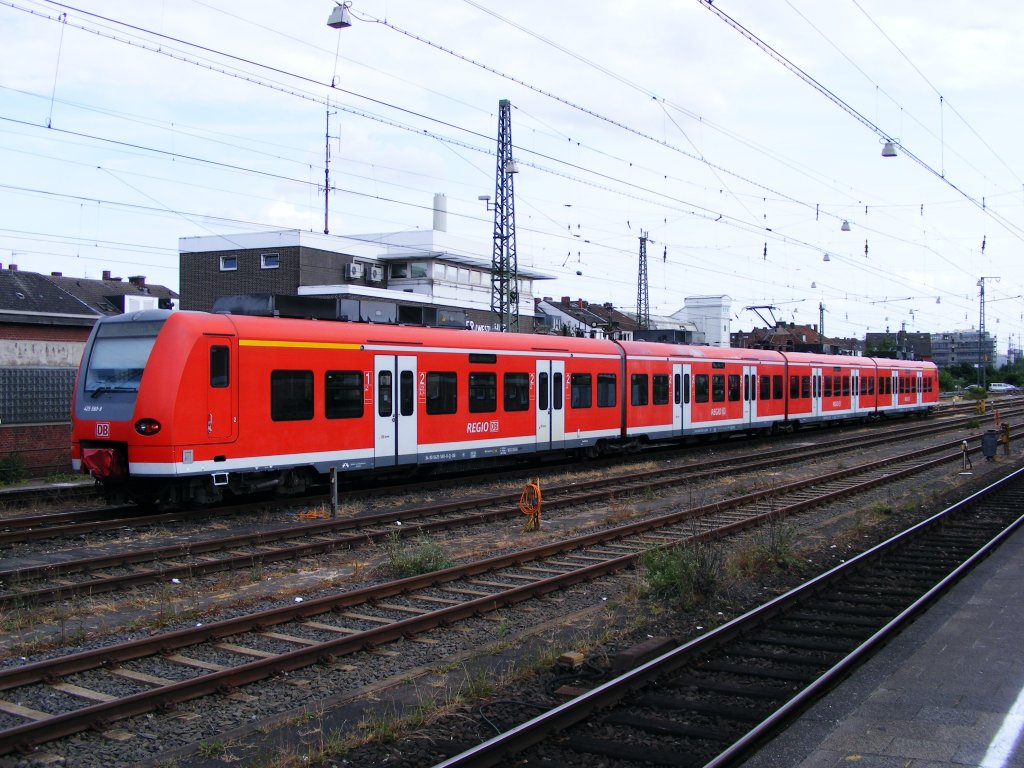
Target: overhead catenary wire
(812, 246)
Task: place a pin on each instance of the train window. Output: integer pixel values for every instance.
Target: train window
(659, 391)
(581, 394)
(606, 390)
(677, 388)
(734, 387)
(777, 387)
(766, 387)
(686, 388)
(442, 393)
(385, 393)
(483, 393)
(700, 387)
(343, 394)
(871, 385)
(638, 390)
(718, 388)
(794, 387)
(406, 393)
(828, 386)
(846, 386)
(291, 395)
(542, 392)
(219, 370)
(556, 391)
(517, 391)
(805, 386)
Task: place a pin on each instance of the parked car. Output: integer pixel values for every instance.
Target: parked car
(999, 387)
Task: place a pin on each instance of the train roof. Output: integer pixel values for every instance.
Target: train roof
(334, 331)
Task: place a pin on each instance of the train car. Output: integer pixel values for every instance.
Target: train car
(829, 387)
(906, 386)
(189, 407)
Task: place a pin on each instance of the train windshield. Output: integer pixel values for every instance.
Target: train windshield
(118, 356)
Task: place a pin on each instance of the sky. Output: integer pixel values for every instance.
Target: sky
(737, 137)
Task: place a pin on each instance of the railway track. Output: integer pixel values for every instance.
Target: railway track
(709, 702)
(49, 699)
(15, 529)
(29, 586)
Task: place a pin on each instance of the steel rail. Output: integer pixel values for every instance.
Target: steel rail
(24, 528)
(502, 506)
(501, 747)
(26, 735)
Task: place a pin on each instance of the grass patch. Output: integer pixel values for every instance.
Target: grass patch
(422, 555)
(685, 575)
(770, 551)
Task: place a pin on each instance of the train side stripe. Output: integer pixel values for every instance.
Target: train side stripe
(296, 344)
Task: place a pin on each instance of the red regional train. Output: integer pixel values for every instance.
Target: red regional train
(190, 407)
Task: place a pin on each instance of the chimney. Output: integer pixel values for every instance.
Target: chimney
(139, 281)
(566, 300)
(56, 274)
(814, 327)
(440, 213)
(581, 303)
(12, 267)
(106, 274)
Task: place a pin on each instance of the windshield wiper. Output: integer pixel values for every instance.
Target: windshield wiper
(100, 390)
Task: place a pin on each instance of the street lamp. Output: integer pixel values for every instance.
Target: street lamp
(340, 16)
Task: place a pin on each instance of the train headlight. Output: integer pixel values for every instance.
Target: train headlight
(147, 426)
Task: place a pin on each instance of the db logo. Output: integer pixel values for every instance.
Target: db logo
(102, 429)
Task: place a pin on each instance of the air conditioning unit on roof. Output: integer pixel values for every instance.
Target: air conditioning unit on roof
(354, 271)
(376, 273)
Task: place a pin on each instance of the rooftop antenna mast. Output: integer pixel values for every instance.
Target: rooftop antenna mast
(504, 266)
(643, 303)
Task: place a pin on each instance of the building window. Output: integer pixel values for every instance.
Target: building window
(399, 270)
(228, 263)
(270, 260)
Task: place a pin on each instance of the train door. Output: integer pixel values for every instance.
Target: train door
(816, 392)
(680, 398)
(550, 389)
(919, 387)
(854, 389)
(220, 400)
(394, 392)
(749, 394)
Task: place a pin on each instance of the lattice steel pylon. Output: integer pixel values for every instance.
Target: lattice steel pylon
(504, 266)
(643, 302)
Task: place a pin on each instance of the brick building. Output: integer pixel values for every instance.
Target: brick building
(45, 321)
(420, 277)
